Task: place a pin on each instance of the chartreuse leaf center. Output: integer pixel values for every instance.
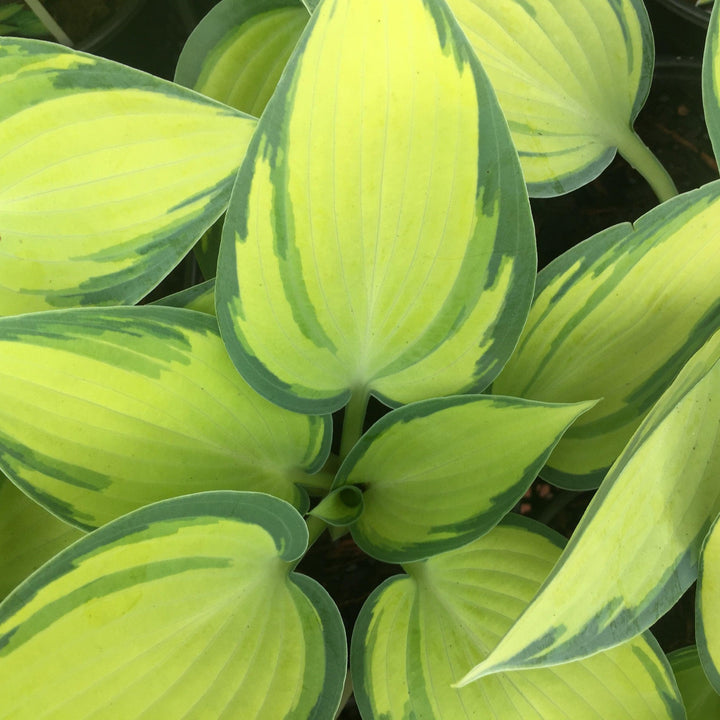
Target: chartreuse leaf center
(182, 608)
(364, 247)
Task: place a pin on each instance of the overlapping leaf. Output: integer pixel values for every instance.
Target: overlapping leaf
(571, 77)
(378, 237)
(105, 410)
(416, 634)
(707, 619)
(439, 473)
(238, 51)
(182, 609)
(109, 176)
(616, 317)
(199, 297)
(29, 536)
(700, 700)
(636, 548)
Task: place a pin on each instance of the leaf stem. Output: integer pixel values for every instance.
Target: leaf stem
(639, 155)
(353, 421)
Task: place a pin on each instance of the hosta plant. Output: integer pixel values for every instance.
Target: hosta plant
(365, 167)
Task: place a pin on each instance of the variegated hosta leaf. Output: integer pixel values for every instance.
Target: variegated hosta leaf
(186, 608)
(636, 548)
(700, 700)
(105, 410)
(711, 80)
(108, 176)
(378, 238)
(439, 473)
(29, 536)
(616, 317)
(571, 77)
(417, 633)
(707, 621)
(198, 297)
(238, 51)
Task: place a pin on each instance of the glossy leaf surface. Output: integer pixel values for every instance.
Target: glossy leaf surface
(416, 634)
(571, 77)
(635, 551)
(364, 249)
(109, 176)
(700, 700)
(707, 620)
(185, 608)
(105, 410)
(239, 49)
(439, 473)
(29, 536)
(616, 317)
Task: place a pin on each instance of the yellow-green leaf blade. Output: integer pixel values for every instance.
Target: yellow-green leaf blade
(439, 473)
(29, 536)
(636, 548)
(185, 608)
(109, 176)
(364, 248)
(571, 77)
(707, 618)
(616, 318)
(415, 634)
(105, 410)
(239, 49)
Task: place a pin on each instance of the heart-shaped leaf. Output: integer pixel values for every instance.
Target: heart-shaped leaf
(416, 634)
(109, 176)
(437, 474)
(365, 250)
(636, 549)
(186, 608)
(571, 77)
(105, 410)
(616, 317)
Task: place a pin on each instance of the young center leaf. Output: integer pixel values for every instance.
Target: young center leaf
(571, 77)
(416, 634)
(707, 619)
(105, 410)
(239, 49)
(29, 536)
(186, 608)
(616, 317)
(636, 548)
(109, 176)
(378, 238)
(437, 474)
